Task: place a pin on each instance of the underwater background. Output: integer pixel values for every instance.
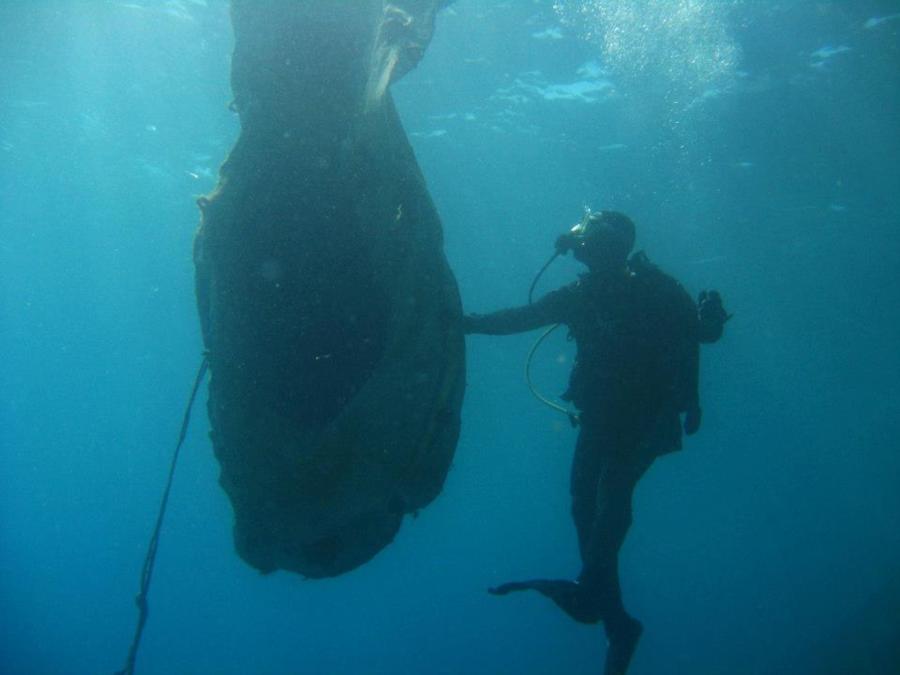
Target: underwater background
(756, 146)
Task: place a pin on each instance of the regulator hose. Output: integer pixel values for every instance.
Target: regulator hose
(573, 416)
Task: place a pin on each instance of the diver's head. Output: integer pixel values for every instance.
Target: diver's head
(602, 240)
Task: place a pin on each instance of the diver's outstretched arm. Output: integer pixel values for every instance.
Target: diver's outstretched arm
(555, 307)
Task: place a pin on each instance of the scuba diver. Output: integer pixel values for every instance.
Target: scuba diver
(637, 333)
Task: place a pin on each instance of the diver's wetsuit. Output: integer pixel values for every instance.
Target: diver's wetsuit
(636, 370)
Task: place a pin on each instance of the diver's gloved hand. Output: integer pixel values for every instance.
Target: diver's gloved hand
(712, 315)
(692, 419)
(711, 308)
(469, 322)
(564, 244)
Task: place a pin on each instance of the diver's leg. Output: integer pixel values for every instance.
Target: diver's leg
(586, 467)
(613, 516)
(585, 472)
(599, 578)
(601, 488)
(585, 478)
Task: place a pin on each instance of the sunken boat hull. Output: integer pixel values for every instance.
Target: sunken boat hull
(330, 315)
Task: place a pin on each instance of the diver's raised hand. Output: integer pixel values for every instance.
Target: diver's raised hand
(712, 315)
(692, 419)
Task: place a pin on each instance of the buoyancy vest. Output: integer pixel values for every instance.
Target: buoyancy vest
(638, 354)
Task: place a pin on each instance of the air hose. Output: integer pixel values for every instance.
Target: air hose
(537, 277)
(572, 415)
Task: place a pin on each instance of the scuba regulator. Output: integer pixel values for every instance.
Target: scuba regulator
(564, 243)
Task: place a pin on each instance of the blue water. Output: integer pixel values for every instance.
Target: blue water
(755, 145)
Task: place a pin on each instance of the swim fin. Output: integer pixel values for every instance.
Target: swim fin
(622, 644)
(569, 596)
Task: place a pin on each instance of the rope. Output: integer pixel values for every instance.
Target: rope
(150, 558)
